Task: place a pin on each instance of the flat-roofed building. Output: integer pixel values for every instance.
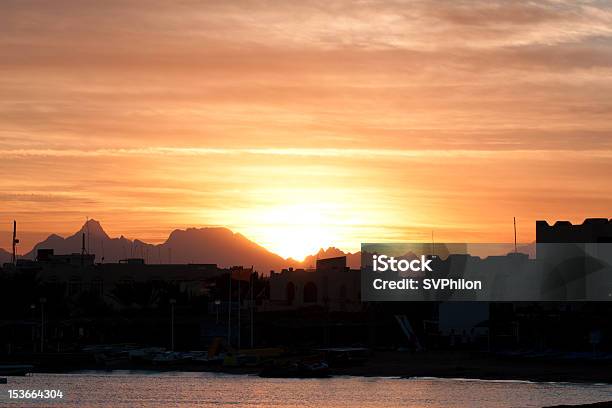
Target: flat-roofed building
(332, 285)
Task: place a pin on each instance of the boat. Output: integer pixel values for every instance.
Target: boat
(145, 354)
(16, 370)
(112, 359)
(299, 369)
(171, 359)
(345, 356)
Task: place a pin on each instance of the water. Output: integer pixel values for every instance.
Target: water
(120, 389)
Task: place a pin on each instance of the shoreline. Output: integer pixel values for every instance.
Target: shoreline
(479, 366)
(438, 364)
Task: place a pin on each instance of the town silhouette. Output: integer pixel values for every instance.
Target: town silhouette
(208, 299)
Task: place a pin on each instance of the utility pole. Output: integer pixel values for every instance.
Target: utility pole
(515, 248)
(433, 245)
(229, 312)
(252, 304)
(239, 311)
(15, 242)
(217, 303)
(172, 303)
(42, 323)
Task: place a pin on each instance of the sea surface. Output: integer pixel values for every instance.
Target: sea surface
(120, 389)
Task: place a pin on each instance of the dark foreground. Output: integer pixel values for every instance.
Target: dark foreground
(482, 366)
(467, 365)
(439, 364)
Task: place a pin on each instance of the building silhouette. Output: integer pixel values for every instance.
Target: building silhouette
(332, 285)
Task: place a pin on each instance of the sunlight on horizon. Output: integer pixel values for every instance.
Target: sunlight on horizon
(296, 230)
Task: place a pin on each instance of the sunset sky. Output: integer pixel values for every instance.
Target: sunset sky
(304, 124)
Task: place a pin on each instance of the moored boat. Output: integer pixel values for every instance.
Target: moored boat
(300, 369)
(16, 369)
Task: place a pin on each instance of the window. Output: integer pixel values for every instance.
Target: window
(310, 293)
(97, 286)
(290, 293)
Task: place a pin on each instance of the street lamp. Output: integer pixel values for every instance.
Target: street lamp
(217, 303)
(42, 300)
(33, 308)
(172, 303)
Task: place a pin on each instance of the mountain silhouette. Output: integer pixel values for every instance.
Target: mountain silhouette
(216, 245)
(529, 249)
(5, 256)
(194, 245)
(353, 260)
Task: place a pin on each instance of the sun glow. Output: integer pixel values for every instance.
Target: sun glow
(296, 230)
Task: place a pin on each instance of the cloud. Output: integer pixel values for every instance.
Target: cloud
(372, 153)
(171, 114)
(63, 198)
(118, 27)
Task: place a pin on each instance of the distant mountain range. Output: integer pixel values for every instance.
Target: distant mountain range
(352, 259)
(5, 256)
(194, 245)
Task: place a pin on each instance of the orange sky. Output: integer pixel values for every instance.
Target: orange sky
(304, 124)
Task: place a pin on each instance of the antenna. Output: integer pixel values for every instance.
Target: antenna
(515, 249)
(433, 251)
(15, 242)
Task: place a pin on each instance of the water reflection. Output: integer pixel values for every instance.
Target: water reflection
(148, 389)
